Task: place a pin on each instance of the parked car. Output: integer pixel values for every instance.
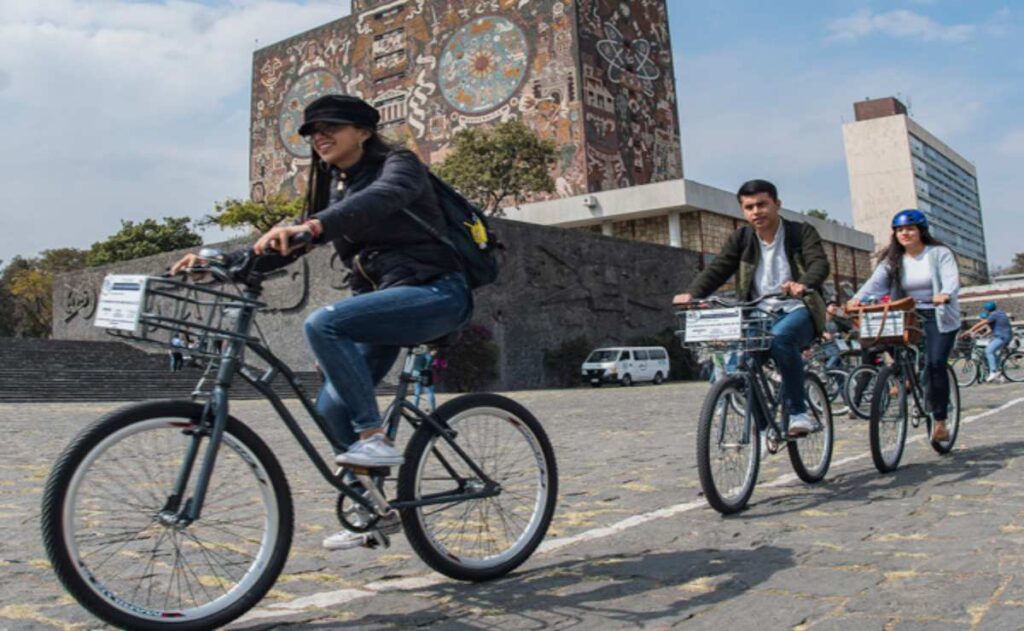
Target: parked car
(626, 365)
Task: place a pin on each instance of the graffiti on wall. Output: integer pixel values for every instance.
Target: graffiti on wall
(594, 76)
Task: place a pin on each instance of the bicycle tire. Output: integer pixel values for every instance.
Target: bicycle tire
(425, 540)
(856, 404)
(705, 436)
(89, 447)
(1015, 362)
(965, 371)
(887, 378)
(823, 415)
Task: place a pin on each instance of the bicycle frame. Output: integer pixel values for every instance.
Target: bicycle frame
(215, 414)
(761, 407)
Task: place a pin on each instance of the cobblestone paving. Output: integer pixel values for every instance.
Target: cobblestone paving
(937, 545)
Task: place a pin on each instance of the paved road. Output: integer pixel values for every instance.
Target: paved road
(938, 545)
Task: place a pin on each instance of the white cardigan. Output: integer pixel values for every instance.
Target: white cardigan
(945, 280)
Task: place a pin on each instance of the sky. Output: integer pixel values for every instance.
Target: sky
(130, 109)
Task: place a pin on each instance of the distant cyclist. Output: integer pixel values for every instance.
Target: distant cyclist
(997, 322)
(774, 255)
(918, 265)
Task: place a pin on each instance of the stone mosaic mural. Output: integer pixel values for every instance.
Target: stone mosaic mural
(595, 76)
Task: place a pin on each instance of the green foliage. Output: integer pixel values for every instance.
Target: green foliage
(135, 240)
(817, 213)
(1017, 267)
(258, 216)
(472, 361)
(26, 291)
(492, 165)
(562, 363)
(683, 365)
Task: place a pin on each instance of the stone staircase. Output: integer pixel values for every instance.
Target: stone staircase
(65, 370)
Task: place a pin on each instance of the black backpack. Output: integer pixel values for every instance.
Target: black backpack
(468, 234)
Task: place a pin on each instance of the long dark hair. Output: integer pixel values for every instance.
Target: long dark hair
(892, 255)
(318, 189)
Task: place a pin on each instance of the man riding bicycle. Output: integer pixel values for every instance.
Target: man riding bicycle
(998, 324)
(770, 256)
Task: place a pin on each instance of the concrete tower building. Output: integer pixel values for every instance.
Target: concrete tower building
(595, 76)
(894, 163)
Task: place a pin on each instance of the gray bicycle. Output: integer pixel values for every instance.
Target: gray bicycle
(146, 532)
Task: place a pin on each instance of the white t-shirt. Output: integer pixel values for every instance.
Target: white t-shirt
(917, 278)
(772, 271)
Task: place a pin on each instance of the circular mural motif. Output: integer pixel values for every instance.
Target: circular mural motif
(483, 64)
(306, 88)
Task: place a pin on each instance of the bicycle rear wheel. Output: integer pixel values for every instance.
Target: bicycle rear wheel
(120, 552)
(479, 539)
(860, 387)
(952, 419)
(812, 454)
(1013, 367)
(835, 385)
(965, 371)
(888, 422)
(728, 449)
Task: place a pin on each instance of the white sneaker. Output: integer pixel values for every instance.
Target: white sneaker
(375, 451)
(346, 539)
(992, 377)
(800, 425)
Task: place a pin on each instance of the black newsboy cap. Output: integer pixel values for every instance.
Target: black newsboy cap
(339, 108)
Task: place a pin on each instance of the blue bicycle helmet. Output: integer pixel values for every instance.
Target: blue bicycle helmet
(990, 306)
(910, 217)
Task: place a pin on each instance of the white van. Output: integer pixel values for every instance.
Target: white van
(626, 365)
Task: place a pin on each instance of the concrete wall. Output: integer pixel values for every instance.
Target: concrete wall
(555, 284)
(881, 173)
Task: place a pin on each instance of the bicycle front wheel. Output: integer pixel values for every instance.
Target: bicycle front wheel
(117, 547)
(965, 371)
(888, 422)
(860, 387)
(812, 454)
(1013, 367)
(484, 538)
(728, 449)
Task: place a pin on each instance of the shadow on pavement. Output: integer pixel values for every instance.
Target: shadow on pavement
(617, 590)
(869, 486)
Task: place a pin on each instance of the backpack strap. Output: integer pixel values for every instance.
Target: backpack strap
(431, 230)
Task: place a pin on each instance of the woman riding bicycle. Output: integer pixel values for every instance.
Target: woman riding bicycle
(408, 287)
(918, 265)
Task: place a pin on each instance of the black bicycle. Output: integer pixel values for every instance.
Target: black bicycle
(174, 514)
(903, 381)
(741, 407)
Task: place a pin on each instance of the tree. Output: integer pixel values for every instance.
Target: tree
(26, 291)
(146, 238)
(1017, 267)
(507, 161)
(817, 213)
(259, 216)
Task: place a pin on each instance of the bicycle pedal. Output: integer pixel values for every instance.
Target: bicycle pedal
(377, 539)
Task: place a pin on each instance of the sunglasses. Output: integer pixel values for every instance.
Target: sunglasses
(325, 129)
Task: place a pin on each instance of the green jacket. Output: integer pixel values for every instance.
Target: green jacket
(741, 254)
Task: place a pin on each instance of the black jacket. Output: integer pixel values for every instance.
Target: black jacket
(374, 237)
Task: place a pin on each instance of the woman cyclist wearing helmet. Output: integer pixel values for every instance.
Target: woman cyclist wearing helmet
(918, 265)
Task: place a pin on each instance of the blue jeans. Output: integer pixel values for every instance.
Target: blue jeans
(995, 345)
(357, 340)
(418, 391)
(792, 333)
(938, 346)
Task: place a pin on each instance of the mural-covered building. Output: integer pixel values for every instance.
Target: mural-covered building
(595, 76)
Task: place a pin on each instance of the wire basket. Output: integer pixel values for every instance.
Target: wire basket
(964, 345)
(192, 319)
(724, 328)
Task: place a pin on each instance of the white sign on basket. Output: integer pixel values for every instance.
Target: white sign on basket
(714, 325)
(120, 302)
(870, 323)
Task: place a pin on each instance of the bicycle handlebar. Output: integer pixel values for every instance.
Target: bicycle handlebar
(702, 302)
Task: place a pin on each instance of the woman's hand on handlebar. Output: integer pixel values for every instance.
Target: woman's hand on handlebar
(185, 262)
(852, 304)
(281, 239)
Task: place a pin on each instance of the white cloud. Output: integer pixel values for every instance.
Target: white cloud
(902, 24)
(118, 109)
